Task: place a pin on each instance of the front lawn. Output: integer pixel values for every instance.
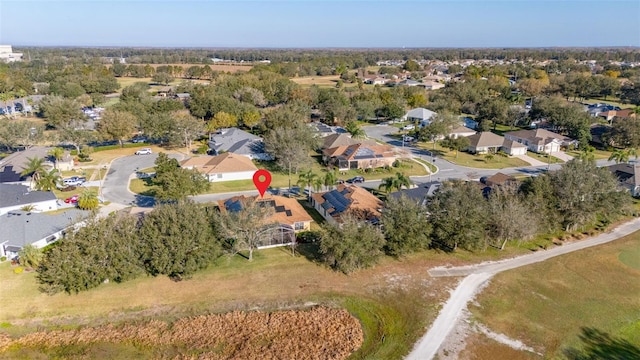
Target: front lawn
(545, 158)
(597, 154)
(471, 160)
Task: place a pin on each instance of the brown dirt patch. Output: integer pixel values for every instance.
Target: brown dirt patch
(319, 333)
(480, 347)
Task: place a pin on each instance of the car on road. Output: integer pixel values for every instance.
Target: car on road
(71, 200)
(144, 151)
(357, 179)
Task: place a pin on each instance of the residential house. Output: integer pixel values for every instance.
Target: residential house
(225, 167)
(408, 82)
(16, 196)
(500, 179)
(12, 166)
(420, 194)
(21, 228)
(238, 142)
(165, 91)
(347, 199)
(321, 129)
(598, 108)
(432, 85)
(184, 97)
(335, 140)
(376, 80)
(513, 148)
(597, 131)
(288, 217)
(360, 156)
(617, 114)
(628, 176)
(420, 115)
(540, 140)
(461, 131)
(484, 142)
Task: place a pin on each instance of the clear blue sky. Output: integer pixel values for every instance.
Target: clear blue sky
(305, 23)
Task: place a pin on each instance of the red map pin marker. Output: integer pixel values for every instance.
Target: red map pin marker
(262, 180)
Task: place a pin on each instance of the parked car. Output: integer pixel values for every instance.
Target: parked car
(357, 179)
(139, 139)
(74, 181)
(408, 127)
(144, 151)
(340, 181)
(71, 200)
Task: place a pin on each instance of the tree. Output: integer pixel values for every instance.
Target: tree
(508, 217)
(57, 153)
(251, 118)
(188, 128)
(411, 65)
(88, 199)
(440, 125)
(178, 240)
(49, 180)
(176, 183)
(35, 168)
(221, 120)
(59, 111)
(330, 179)
(105, 249)
(117, 125)
(162, 78)
(406, 227)
(354, 129)
(308, 179)
(30, 256)
(395, 182)
(458, 216)
(458, 144)
(290, 146)
(351, 245)
(622, 155)
(245, 227)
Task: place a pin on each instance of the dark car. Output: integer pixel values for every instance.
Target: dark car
(357, 179)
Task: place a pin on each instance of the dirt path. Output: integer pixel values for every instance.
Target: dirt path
(477, 275)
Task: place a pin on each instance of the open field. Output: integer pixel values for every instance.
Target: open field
(280, 179)
(470, 160)
(328, 81)
(547, 305)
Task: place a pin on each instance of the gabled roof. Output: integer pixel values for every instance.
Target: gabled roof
(286, 210)
(420, 113)
(335, 140)
(537, 135)
(16, 195)
(461, 130)
(499, 179)
(360, 151)
(237, 141)
(510, 144)
(484, 139)
(225, 163)
(12, 165)
(20, 228)
(420, 193)
(626, 173)
(348, 197)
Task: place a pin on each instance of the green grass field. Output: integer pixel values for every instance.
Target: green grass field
(546, 305)
(597, 154)
(544, 158)
(471, 160)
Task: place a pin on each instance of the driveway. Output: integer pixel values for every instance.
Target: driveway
(477, 275)
(562, 156)
(530, 160)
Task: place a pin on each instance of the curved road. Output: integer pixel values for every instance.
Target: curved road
(476, 275)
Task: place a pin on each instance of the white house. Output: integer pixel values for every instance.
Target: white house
(539, 140)
(20, 228)
(420, 115)
(17, 196)
(225, 167)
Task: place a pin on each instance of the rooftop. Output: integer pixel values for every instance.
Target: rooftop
(16, 195)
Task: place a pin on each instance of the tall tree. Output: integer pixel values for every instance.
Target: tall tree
(351, 245)
(35, 168)
(406, 226)
(308, 179)
(176, 183)
(117, 125)
(508, 217)
(354, 129)
(188, 128)
(48, 180)
(57, 153)
(245, 227)
(290, 146)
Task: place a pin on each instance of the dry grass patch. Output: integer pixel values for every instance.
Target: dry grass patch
(319, 333)
(480, 347)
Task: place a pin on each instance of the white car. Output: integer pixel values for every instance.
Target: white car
(144, 151)
(409, 127)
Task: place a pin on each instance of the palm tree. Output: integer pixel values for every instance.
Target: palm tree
(623, 155)
(30, 256)
(354, 129)
(35, 168)
(49, 180)
(307, 179)
(28, 208)
(330, 179)
(57, 153)
(587, 154)
(88, 200)
(395, 182)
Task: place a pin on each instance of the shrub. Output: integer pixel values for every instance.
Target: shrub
(18, 270)
(4, 258)
(305, 237)
(68, 188)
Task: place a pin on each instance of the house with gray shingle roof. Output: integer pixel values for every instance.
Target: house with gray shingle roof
(21, 228)
(16, 196)
(238, 142)
(628, 176)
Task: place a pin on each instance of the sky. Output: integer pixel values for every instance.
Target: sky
(320, 24)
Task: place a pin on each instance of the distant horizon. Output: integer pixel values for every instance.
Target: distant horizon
(315, 24)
